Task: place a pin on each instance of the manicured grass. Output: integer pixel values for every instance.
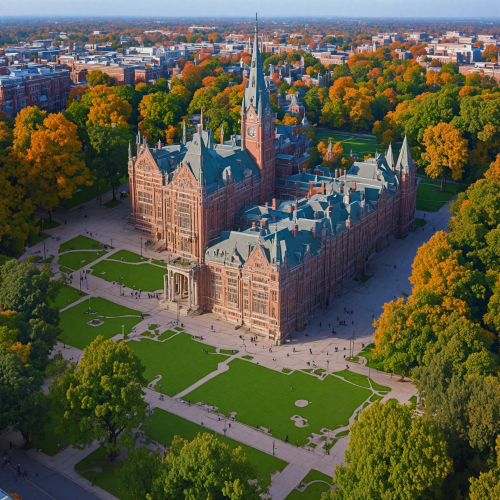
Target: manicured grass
(420, 222)
(180, 361)
(375, 398)
(49, 260)
(52, 442)
(354, 359)
(64, 269)
(251, 357)
(79, 334)
(379, 388)
(343, 433)
(166, 335)
(80, 243)
(126, 256)
(413, 399)
(66, 296)
(313, 491)
(231, 352)
(167, 425)
(87, 193)
(145, 277)
(107, 479)
(285, 370)
(430, 198)
(112, 203)
(357, 143)
(73, 260)
(47, 223)
(159, 263)
(153, 327)
(261, 396)
(355, 378)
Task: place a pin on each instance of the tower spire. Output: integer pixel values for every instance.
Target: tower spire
(184, 134)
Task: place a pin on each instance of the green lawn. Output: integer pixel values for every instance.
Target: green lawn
(80, 243)
(313, 491)
(357, 143)
(180, 361)
(262, 397)
(166, 425)
(52, 442)
(77, 260)
(107, 479)
(355, 378)
(112, 203)
(126, 256)
(159, 263)
(145, 277)
(48, 224)
(87, 193)
(79, 334)
(66, 296)
(430, 198)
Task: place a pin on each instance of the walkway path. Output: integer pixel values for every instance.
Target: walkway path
(390, 270)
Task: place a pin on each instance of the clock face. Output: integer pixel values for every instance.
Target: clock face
(251, 116)
(251, 131)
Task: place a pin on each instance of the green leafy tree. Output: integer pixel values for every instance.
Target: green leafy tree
(97, 77)
(29, 292)
(101, 397)
(488, 484)
(139, 472)
(22, 403)
(392, 454)
(205, 468)
(159, 111)
(107, 155)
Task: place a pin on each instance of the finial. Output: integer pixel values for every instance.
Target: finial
(256, 27)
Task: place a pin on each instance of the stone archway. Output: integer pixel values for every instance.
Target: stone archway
(181, 284)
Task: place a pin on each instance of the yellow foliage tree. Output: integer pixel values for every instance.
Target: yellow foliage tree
(493, 173)
(109, 109)
(445, 148)
(339, 87)
(51, 168)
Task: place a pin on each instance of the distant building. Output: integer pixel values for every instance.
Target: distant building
(34, 85)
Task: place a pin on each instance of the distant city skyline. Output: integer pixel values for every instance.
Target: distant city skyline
(487, 9)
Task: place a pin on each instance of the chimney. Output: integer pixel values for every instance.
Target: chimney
(274, 204)
(159, 144)
(336, 173)
(347, 197)
(295, 230)
(290, 208)
(253, 226)
(267, 205)
(345, 174)
(353, 187)
(296, 205)
(348, 222)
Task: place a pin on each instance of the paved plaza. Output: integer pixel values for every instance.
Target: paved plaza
(313, 348)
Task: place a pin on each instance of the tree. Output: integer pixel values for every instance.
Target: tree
(205, 468)
(29, 292)
(138, 473)
(488, 484)
(109, 109)
(107, 155)
(101, 397)
(445, 149)
(159, 111)
(51, 168)
(27, 122)
(22, 403)
(392, 454)
(333, 113)
(340, 86)
(97, 77)
(493, 173)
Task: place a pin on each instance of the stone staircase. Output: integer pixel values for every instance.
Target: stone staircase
(157, 246)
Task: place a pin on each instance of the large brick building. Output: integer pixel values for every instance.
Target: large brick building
(34, 85)
(259, 244)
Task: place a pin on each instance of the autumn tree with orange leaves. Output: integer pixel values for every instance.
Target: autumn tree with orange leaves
(445, 151)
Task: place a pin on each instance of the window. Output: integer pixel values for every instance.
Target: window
(259, 303)
(232, 295)
(184, 215)
(145, 203)
(158, 212)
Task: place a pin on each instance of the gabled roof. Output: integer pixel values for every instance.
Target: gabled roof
(405, 161)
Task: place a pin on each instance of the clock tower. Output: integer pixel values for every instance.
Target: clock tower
(257, 124)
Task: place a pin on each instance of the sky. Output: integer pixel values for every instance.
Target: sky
(267, 8)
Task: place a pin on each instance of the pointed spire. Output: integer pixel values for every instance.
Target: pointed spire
(129, 151)
(389, 156)
(405, 161)
(330, 146)
(201, 119)
(256, 89)
(184, 134)
(222, 133)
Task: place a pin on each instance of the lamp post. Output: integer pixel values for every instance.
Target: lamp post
(89, 304)
(369, 361)
(81, 278)
(273, 447)
(141, 246)
(161, 393)
(123, 331)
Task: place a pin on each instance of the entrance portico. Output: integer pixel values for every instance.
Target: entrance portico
(181, 284)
